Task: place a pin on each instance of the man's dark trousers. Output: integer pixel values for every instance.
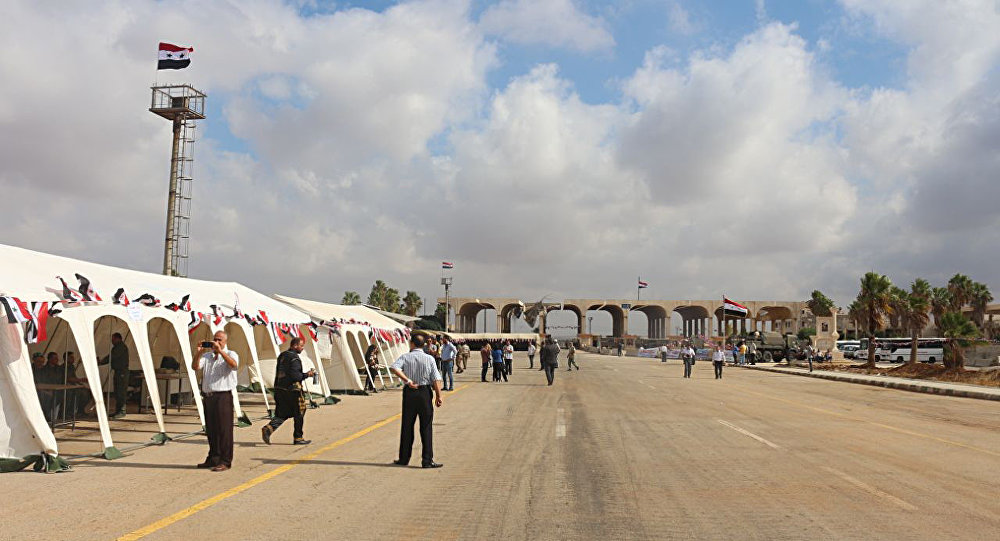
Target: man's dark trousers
(486, 369)
(718, 369)
(550, 372)
(219, 427)
(121, 388)
(287, 405)
(417, 404)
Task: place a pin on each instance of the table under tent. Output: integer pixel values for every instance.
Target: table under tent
(161, 320)
(345, 333)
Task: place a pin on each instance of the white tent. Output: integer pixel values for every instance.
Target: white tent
(341, 351)
(150, 333)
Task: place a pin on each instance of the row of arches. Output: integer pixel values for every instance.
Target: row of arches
(652, 321)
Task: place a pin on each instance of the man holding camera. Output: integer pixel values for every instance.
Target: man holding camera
(218, 364)
(288, 399)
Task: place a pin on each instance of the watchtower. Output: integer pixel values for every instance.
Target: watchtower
(182, 105)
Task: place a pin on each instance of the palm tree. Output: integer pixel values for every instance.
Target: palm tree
(958, 330)
(391, 301)
(899, 299)
(820, 305)
(376, 297)
(960, 288)
(979, 298)
(854, 312)
(874, 302)
(351, 297)
(917, 313)
(412, 303)
(940, 302)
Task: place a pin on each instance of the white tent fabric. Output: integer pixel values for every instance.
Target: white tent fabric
(25, 437)
(32, 277)
(342, 353)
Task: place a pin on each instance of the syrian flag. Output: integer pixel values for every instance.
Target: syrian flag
(147, 299)
(643, 285)
(67, 293)
(216, 313)
(263, 317)
(447, 265)
(173, 57)
(35, 331)
(15, 310)
(120, 297)
(195, 321)
(183, 305)
(313, 331)
(733, 308)
(87, 292)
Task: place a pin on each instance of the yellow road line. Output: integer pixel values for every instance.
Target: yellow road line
(880, 425)
(205, 504)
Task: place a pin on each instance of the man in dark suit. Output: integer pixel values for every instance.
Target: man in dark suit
(288, 378)
(550, 358)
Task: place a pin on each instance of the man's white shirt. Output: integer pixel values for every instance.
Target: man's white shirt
(217, 375)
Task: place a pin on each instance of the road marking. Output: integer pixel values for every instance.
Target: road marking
(872, 490)
(560, 423)
(880, 425)
(748, 433)
(205, 504)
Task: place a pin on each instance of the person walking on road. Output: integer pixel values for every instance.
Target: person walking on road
(499, 370)
(688, 355)
(463, 356)
(663, 353)
(531, 355)
(718, 359)
(508, 358)
(218, 365)
(752, 353)
(621, 350)
(448, 354)
(743, 353)
(420, 377)
(549, 358)
(487, 355)
(571, 358)
(288, 399)
(371, 362)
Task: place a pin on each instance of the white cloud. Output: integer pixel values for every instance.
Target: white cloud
(680, 19)
(559, 23)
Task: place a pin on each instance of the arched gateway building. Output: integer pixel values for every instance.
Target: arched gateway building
(698, 317)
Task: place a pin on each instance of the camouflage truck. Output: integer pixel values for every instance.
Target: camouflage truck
(771, 346)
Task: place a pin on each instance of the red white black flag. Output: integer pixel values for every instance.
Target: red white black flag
(15, 310)
(733, 308)
(173, 57)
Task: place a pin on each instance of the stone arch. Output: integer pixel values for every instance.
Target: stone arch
(775, 318)
(579, 325)
(694, 320)
(618, 318)
(656, 320)
(468, 315)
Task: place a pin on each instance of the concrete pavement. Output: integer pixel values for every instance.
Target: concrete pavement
(622, 449)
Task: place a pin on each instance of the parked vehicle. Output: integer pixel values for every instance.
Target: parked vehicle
(771, 346)
(929, 350)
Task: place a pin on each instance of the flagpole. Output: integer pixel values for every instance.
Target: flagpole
(638, 288)
(725, 324)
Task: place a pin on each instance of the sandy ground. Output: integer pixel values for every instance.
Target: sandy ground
(624, 448)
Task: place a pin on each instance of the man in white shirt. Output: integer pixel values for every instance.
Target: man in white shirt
(663, 353)
(218, 364)
(531, 354)
(718, 359)
(508, 358)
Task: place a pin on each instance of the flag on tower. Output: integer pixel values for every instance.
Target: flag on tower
(173, 57)
(447, 265)
(643, 285)
(733, 308)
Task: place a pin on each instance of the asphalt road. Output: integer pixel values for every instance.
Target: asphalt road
(624, 448)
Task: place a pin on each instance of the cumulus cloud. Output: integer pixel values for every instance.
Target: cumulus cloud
(559, 23)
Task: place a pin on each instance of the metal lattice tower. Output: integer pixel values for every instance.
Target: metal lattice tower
(182, 105)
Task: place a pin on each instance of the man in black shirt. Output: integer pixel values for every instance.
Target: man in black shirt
(288, 398)
(119, 365)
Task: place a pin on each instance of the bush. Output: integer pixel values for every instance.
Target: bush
(805, 332)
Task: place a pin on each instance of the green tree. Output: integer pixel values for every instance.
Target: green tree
(440, 313)
(805, 332)
(979, 298)
(874, 300)
(899, 301)
(855, 314)
(376, 297)
(960, 288)
(412, 303)
(391, 301)
(916, 313)
(940, 302)
(820, 305)
(959, 331)
(350, 298)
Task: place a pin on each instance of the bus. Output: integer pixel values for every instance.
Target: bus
(929, 350)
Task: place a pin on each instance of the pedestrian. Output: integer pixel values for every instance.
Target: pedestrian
(498, 366)
(752, 352)
(448, 354)
(663, 353)
(508, 357)
(688, 356)
(289, 401)
(487, 355)
(718, 359)
(549, 358)
(118, 358)
(571, 358)
(420, 378)
(218, 365)
(736, 354)
(371, 366)
(743, 353)
(531, 354)
(621, 351)
(463, 356)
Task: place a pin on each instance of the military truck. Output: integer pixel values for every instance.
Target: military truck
(771, 346)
